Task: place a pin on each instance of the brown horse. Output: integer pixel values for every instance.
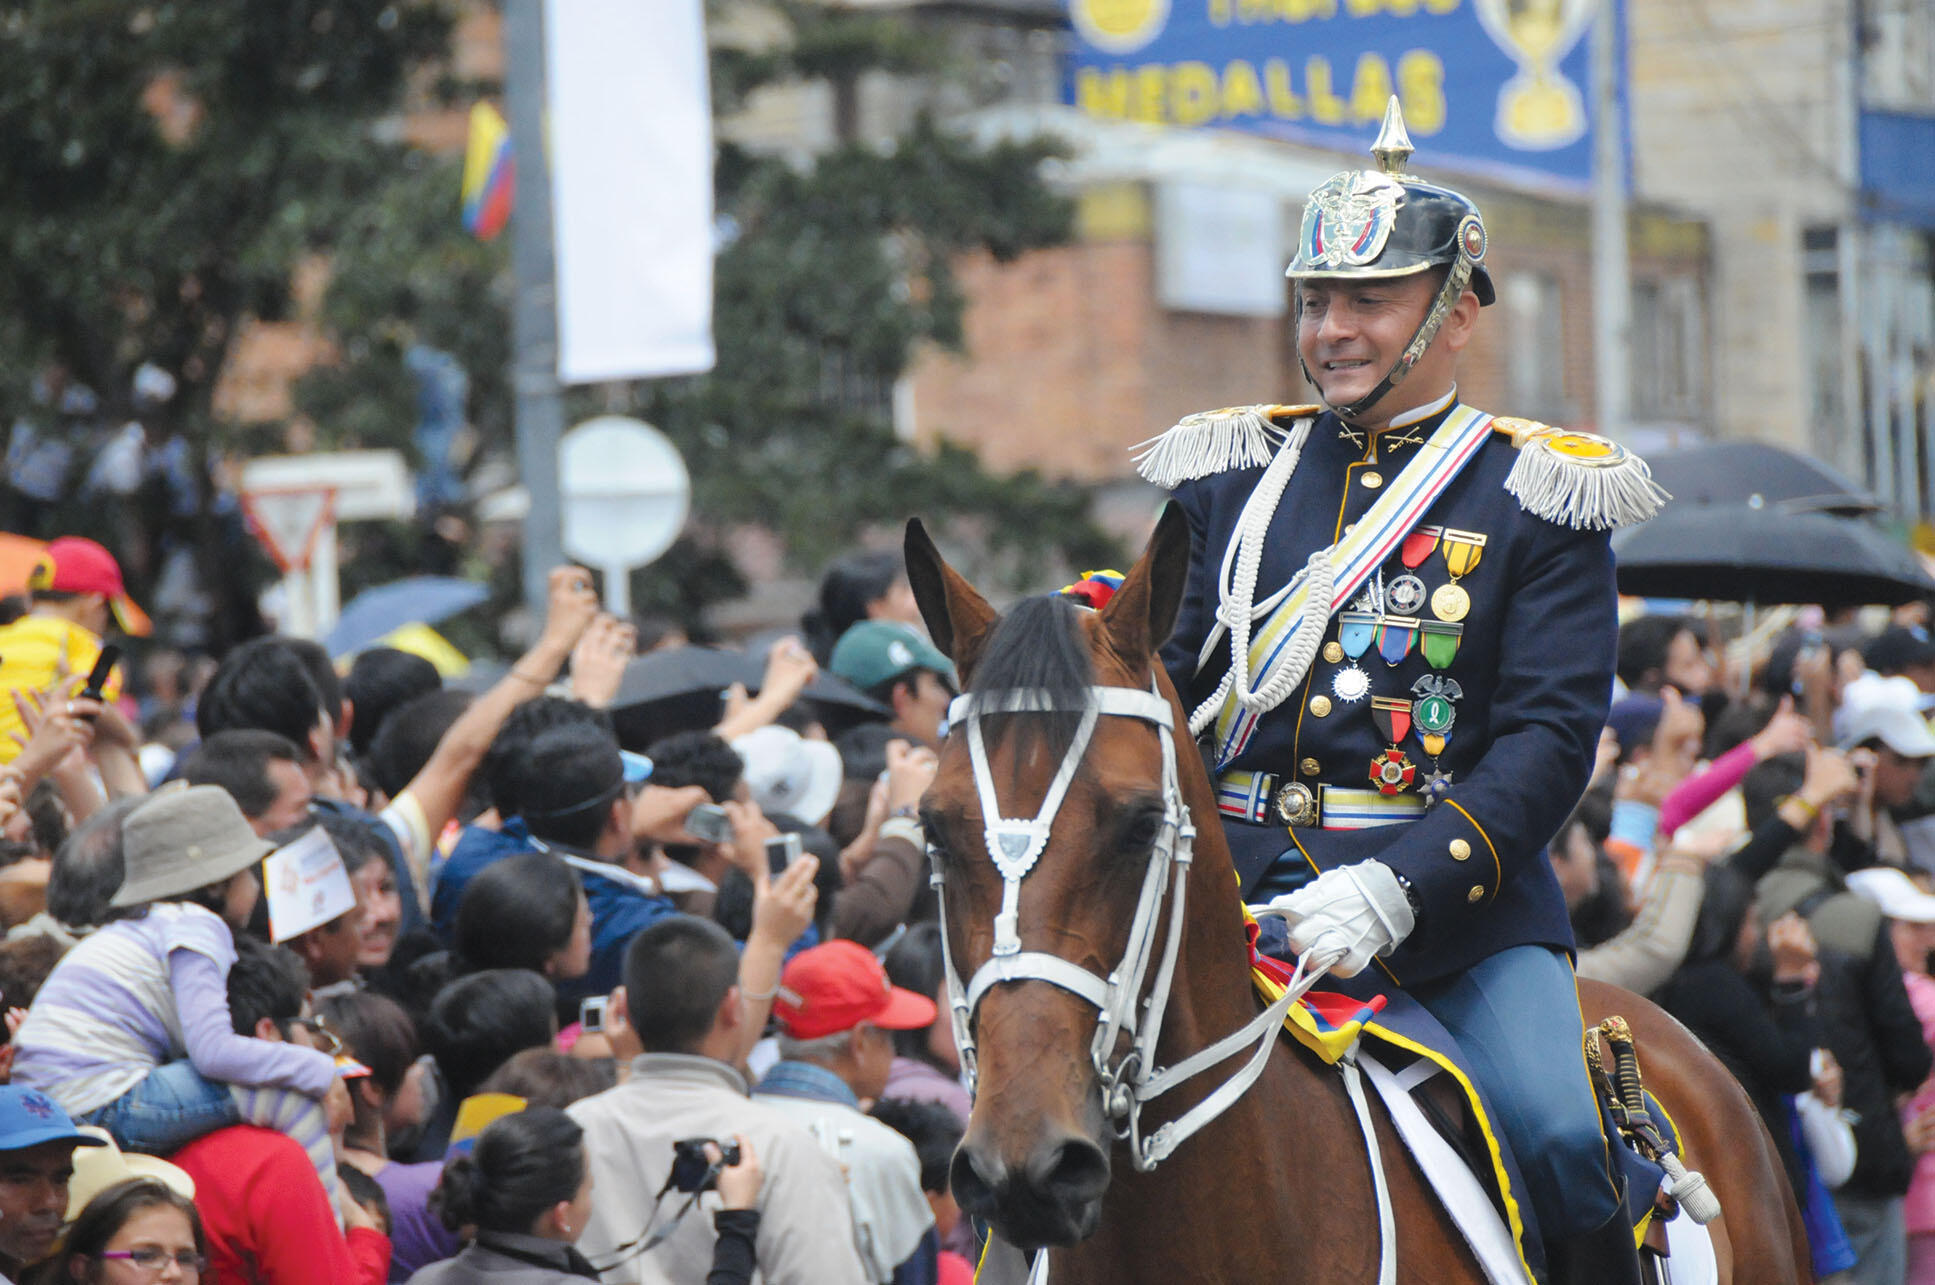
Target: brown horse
(1278, 1186)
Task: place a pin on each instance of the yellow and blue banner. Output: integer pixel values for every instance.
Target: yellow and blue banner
(490, 173)
(1496, 87)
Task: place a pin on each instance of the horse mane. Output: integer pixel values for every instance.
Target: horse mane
(1039, 645)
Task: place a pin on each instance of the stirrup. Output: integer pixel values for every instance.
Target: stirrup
(1626, 1101)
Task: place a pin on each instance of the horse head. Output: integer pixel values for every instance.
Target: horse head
(1038, 955)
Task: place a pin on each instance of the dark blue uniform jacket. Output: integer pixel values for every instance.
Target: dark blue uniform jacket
(1535, 664)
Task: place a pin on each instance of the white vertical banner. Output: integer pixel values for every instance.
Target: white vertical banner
(630, 131)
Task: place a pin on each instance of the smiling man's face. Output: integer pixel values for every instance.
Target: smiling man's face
(1350, 332)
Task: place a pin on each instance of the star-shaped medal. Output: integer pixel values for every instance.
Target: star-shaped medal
(1436, 785)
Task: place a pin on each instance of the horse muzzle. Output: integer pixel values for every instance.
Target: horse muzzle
(1053, 1198)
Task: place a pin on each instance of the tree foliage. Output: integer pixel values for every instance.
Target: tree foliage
(169, 165)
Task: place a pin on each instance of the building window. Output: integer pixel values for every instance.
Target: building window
(1828, 352)
(1537, 370)
(1668, 349)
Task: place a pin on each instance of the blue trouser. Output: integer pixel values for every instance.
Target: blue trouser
(172, 1107)
(1516, 1017)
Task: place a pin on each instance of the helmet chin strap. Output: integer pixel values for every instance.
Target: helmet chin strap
(1455, 282)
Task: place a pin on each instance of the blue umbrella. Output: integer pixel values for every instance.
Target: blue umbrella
(419, 600)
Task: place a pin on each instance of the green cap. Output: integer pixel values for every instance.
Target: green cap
(874, 652)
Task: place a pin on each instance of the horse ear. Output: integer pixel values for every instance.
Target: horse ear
(957, 616)
(1143, 611)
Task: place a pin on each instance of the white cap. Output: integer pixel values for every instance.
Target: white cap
(1901, 728)
(1895, 893)
(788, 773)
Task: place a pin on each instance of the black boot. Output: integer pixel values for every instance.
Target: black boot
(1603, 1256)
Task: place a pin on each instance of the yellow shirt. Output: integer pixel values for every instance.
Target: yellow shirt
(35, 652)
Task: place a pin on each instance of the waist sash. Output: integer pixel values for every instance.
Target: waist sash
(1394, 514)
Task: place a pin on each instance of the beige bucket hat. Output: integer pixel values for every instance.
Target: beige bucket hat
(184, 839)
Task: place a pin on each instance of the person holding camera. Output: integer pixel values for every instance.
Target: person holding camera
(525, 1190)
(683, 1006)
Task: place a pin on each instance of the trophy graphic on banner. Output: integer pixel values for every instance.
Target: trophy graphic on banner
(1539, 108)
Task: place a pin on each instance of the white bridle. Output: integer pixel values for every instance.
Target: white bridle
(1133, 1080)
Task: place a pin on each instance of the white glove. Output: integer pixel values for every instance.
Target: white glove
(1348, 915)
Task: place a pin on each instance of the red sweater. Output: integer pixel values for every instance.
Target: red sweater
(268, 1218)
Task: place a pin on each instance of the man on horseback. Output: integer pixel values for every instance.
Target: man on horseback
(1398, 642)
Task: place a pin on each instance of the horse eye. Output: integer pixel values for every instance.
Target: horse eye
(1139, 833)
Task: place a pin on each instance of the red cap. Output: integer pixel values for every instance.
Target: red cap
(73, 564)
(835, 986)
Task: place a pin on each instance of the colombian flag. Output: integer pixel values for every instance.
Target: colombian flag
(490, 173)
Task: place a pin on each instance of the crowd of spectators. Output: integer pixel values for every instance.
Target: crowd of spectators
(1753, 853)
(348, 975)
(412, 981)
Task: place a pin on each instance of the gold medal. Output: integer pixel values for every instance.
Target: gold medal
(1449, 602)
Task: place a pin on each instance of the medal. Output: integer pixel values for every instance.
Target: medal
(1391, 772)
(1395, 634)
(1462, 550)
(1405, 595)
(1392, 714)
(1419, 546)
(1433, 710)
(1435, 787)
(1450, 603)
(1355, 631)
(1350, 684)
(1438, 639)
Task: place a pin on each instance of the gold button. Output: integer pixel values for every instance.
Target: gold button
(1460, 850)
(1320, 706)
(1372, 479)
(1310, 767)
(1476, 895)
(1333, 652)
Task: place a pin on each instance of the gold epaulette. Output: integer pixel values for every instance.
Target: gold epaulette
(1580, 480)
(1215, 441)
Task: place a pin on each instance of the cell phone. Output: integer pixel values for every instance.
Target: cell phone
(98, 676)
(591, 1013)
(708, 823)
(782, 850)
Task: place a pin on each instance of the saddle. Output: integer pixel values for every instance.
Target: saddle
(1421, 1075)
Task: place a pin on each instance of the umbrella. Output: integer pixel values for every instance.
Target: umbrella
(1756, 474)
(684, 671)
(1740, 553)
(418, 600)
(681, 688)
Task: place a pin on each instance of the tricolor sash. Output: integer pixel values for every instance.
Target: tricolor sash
(1392, 517)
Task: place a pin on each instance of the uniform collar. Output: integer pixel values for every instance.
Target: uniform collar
(1419, 414)
(1405, 430)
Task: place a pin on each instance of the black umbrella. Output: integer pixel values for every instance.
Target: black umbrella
(1754, 473)
(681, 689)
(1742, 553)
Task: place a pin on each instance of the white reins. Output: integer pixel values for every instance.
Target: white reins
(1133, 1080)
